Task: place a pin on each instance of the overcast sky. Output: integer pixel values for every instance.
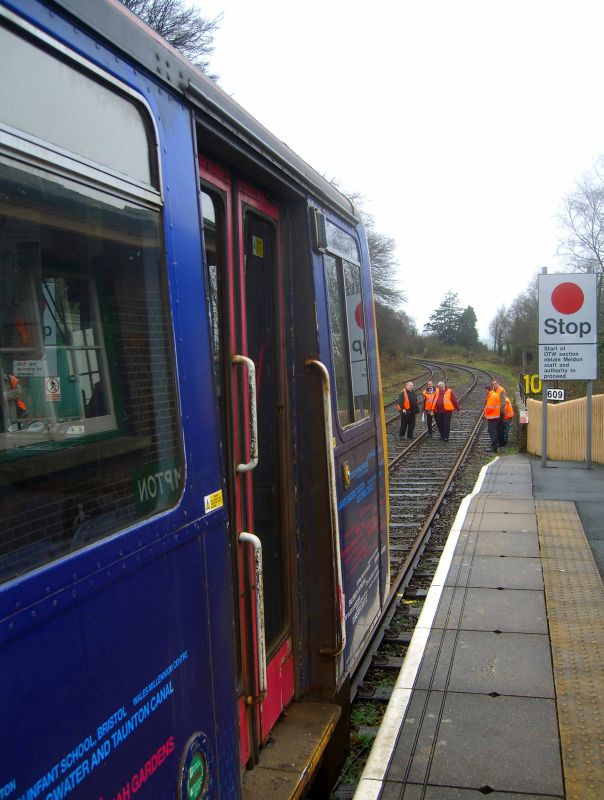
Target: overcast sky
(462, 122)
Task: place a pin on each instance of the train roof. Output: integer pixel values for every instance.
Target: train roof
(125, 31)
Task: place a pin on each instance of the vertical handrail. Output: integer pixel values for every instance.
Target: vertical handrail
(251, 381)
(250, 538)
(333, 505)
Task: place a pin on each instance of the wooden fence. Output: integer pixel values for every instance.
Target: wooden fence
(566, 429)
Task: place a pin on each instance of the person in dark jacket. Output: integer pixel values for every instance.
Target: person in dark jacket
(408, 406)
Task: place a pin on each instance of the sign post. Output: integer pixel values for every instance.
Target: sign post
(544, 425)
(568, 337)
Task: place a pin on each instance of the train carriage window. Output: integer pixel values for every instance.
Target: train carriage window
(72, 110)
(347, 321)
(89, 424)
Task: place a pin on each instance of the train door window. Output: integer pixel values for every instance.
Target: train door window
(212, 214)
(263, 338)
(89, 423)
(347, 322)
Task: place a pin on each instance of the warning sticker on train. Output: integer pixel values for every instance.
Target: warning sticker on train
(258, 246)
(213, 501)
(53, 389)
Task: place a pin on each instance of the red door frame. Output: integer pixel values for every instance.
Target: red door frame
(280, 667)
(256, 719)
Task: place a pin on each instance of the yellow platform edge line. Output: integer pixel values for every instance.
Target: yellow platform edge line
(574, 597)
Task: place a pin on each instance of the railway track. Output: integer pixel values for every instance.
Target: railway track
(434, 372)
(426, 474)
(430, 372)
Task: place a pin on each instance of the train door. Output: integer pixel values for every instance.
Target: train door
(241, 229)
(358, 458)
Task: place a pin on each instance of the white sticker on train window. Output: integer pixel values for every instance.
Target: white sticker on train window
(258, 246)
(35, 368)
(213, 501)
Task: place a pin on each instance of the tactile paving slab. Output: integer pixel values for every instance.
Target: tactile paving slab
(575, 607)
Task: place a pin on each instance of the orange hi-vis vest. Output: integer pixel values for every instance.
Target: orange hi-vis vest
(509, 410)
(447, 404)
(14, 382)
(492, 410)
(406, 403)
(429, 399)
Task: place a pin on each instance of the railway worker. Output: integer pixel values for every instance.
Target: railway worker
(408, 406)
(428, 394)
(13, 398)
(443, 406)
(508, 416)
(502, 398)
(494, 412)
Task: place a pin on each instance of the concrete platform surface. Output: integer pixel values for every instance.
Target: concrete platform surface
(501, 693)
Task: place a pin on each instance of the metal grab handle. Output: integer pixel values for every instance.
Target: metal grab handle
(333, 506)
(250, 538)
(251, 382)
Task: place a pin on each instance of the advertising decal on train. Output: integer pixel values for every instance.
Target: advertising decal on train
(97, 746)
(361, 549)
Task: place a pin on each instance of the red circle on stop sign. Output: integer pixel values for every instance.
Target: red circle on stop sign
(567, 298)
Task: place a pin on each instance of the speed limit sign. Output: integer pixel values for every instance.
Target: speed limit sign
(555, 394)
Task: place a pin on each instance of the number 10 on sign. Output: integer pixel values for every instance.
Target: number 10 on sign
(532, 384)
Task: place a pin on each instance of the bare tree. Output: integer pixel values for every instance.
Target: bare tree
(583, 223)
(499, 328)
(181, 26)
(396, 331)
(582, 220)
(384, 266)
(523, 314)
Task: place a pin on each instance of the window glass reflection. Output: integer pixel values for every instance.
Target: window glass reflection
(72, 110)
(88, 411)
(347, 328)
(340, 242)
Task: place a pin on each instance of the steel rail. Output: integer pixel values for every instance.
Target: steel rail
(405, 571)
(415, 442)
(415, 378)
(396, 416)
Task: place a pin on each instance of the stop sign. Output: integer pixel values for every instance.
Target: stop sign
(568, 331)
(567, 309)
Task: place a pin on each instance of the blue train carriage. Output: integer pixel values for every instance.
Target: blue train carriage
(192, 478)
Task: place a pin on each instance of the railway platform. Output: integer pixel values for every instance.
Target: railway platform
(502, 690)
